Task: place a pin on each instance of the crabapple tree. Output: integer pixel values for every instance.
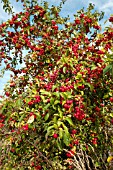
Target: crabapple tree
(60, 93)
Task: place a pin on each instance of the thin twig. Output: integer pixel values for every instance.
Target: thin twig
(41, 154)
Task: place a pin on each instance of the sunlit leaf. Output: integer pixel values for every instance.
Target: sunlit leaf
(107, 69)
(31, 119)
(46, 116)
(69, 121)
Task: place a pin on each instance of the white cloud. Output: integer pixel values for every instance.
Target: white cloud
(3, 16)
(17, 7)
(1, 92)
(69, 7)
(103, 5)
(108, 5)
(4, 80)
(107, 8)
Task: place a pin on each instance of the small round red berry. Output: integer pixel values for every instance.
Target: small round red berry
(7, 93)
(55, 135)
(74, 131)
(111, 99)
(112, 121)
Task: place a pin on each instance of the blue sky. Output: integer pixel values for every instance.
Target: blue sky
(69, 8)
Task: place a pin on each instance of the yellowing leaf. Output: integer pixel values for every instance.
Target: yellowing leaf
(31, 119)
(110, 158)
(74, 149)
(61, 133)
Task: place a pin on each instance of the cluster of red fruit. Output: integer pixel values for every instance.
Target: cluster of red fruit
(67, 105)
(79, 115)
(2, 119)
(35, 101)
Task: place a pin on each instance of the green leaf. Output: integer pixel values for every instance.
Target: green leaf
(45, 92)
(69, 121)
(63, 95)
(64, 69)
(68, 94)
(111, 114)
(60, 112)
(34, 91)
(64, 59)
(79, 76)
(65, 128)
(89, 85)
(52, 101)
(43, 98)
(55, 119)
(18, 102)
(75, 86)
(66, 139)
(53, 87)
(56, 102)
(59, 144)
(82, 93)
(21, 118)
(93, 67)
(67, 52)
(59, 123)
(46, 107)
(49, 131)
(105, 96)
(56, 94)
(61, 132)
(46, 117)
(38, 114)
(54, 107)
(107, 69)
(50, 127)
(3, 108)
